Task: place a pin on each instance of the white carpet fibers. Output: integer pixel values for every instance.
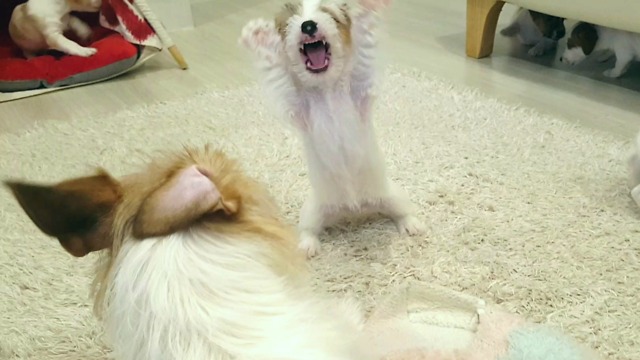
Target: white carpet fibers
(521, 209)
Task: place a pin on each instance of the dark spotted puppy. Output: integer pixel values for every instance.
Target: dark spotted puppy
(588, 38)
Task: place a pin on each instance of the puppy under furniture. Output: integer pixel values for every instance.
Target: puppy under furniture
(124, 33)
(482, 17)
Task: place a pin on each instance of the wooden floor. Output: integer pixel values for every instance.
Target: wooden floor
(425, 34)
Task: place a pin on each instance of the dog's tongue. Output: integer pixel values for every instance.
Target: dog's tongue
(316, 56)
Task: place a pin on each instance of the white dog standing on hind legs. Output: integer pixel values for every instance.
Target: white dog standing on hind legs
(319, 66)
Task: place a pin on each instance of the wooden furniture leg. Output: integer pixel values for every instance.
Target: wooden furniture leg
(162, 33)
(177, 56)
(482, 20)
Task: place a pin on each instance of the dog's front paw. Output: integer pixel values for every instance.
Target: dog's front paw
(537, 50)
(83, 51)
(260, 34)
(309, 244)
(410, 225)
(612, 73)
(375, 5)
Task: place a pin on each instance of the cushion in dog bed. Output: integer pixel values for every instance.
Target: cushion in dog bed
(55, 69)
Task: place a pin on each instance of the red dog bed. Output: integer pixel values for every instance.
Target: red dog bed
(115, 54)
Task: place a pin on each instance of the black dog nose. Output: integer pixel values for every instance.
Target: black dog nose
(309, 27)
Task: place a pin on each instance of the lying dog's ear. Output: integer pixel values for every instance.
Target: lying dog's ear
(79, 212)
(184, 198)
(586, 36)
(282, 17)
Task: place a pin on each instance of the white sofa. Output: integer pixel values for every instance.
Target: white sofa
(482, 17)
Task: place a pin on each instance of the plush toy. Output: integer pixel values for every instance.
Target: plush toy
(424, 322)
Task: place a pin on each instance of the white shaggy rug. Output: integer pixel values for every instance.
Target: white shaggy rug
(522, 210)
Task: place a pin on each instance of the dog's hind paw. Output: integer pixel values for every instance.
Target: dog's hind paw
(510, 30)
(537, 50)
(410, 225)
(309, 244)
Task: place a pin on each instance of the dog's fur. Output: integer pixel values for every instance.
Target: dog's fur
(197, 265)
(39, 25)
(541, 31)
(587, 38)
(331, 108)
(634, 170)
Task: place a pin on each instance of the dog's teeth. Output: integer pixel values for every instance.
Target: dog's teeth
(326, 62)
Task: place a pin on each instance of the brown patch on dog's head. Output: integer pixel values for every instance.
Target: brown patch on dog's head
(585, 36)
(317, 40)
(552, 27)
(342, 18)
(282, 17)
(340, 15)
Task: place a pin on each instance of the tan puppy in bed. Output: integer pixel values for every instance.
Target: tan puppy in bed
(39, 25)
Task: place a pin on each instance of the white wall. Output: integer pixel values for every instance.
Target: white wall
(174, 14)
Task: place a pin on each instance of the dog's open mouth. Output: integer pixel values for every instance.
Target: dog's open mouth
(316, 55)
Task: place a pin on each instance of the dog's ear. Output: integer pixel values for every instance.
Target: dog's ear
(184, 198)
(282, 17)
(79, 212)
(586, 37)
(341, 13)
(345, 9)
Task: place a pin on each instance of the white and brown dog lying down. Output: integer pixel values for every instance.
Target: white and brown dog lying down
(39, 25)
(318, 62)
(197, 264)
(588, 38)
